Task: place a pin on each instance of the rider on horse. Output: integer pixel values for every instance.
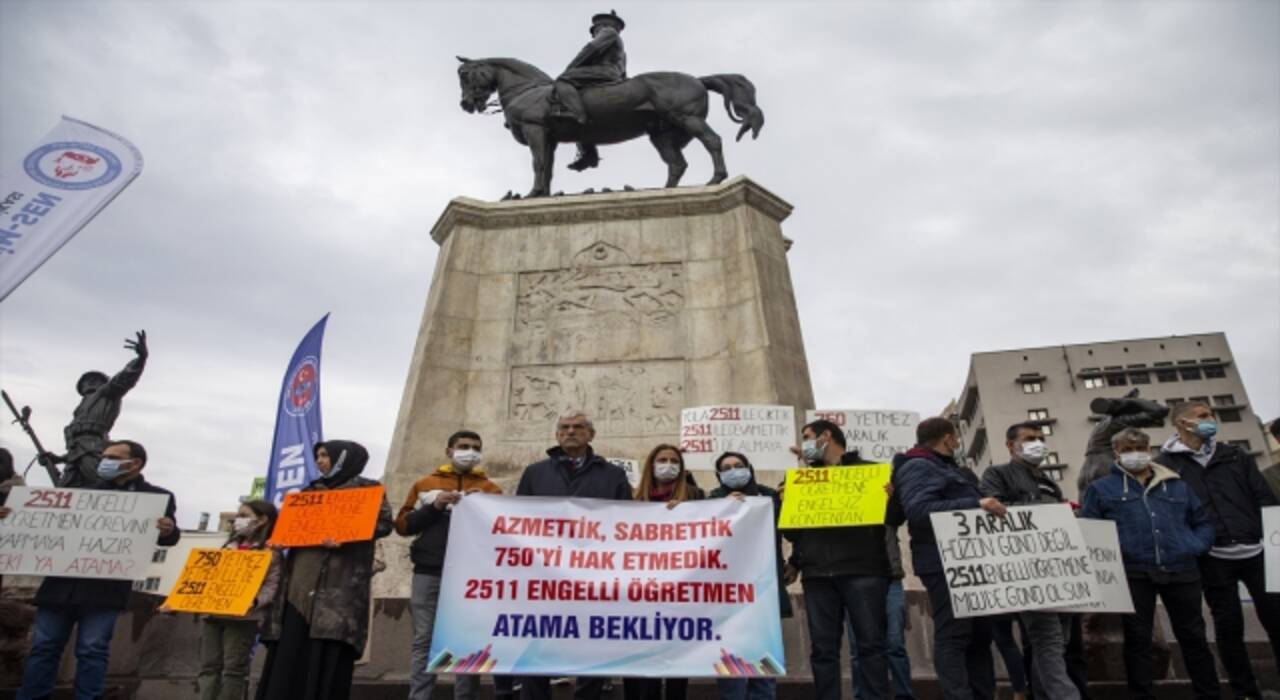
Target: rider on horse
(603, 60)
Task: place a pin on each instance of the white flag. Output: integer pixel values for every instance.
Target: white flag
(62, 183)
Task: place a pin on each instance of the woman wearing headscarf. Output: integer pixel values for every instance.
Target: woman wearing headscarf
(322, 614)
(737, 480)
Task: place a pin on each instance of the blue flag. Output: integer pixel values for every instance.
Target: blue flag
(293, 464)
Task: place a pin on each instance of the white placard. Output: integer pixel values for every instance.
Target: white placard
(1108, 568)
(876, 435)
(1031, 558)
(1271, 546)
(630, 466)
(80, 533)
(765, 434)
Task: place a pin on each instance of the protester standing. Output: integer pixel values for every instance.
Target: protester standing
(1233, 492)
(425, 516)
(572, 470)
(737, 480)
(323, 617)
(90, 605)
(1163, 529)
(226, 642)
(1020, 482)
(845, 576)
(932, 481)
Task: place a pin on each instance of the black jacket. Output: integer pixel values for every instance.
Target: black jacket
(840, 551)
(56, 591)
(1017, 484)
(929, 483)
(1230, 488)
(755, 489)
(555, 476)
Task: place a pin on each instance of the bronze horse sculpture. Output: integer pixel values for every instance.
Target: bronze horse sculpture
(670, 108)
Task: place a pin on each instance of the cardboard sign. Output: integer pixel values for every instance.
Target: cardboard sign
(219, 581)
(835, 497)
(1031, 558)
(308, 518)
(80, 533)
(1108, 566)
(589, 587)
(765, 434)
(1271, 546)
(876, 435)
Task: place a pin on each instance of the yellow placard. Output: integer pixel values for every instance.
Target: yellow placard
(835, 497)
(219, 581)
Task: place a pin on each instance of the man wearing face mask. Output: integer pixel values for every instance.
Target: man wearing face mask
(1227, 481)
(1020, 482)
(845, 575)
(1163, 530)
(425, 514)
(90, 605)
(931, 480)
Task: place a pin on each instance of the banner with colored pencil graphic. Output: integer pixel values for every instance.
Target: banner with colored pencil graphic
(583, 587)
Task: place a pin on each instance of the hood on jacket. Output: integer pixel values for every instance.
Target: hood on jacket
(1159, 475)
(347, 458)
(751, 488)
(450, 470)
(925, 453)
(1175, 445)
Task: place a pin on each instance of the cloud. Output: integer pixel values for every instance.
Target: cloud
(966, 177)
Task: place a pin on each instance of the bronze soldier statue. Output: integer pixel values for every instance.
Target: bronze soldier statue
(603, 60)
(91, 424)
(1129, 411)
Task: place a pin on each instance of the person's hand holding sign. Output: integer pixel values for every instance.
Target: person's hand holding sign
(165, 526)
(992, 505)
(446, 498)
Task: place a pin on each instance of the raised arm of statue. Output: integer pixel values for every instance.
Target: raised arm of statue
(128, 377)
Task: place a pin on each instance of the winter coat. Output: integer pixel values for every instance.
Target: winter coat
(1230, 487)
(430, 524)
(1019, 484)
(841, 551)
(330, 587)
(555, 476)
(754, 489)
(929, 483)
(56, 591)
(1163, 527)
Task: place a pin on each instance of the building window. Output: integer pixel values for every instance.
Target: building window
(1047, 429)
(1200, 399)
(1228, 415)
(1188, 373)
(1166, 375)
(159, 555)
(1140, 377)
(1055, 474)
(1032, 387)
(1052, 458)
(1038, 414)
(1215, 372)
(1242, 444)
(1173, 402)
(1116, 380)
(1094, 382)
(1224, 400)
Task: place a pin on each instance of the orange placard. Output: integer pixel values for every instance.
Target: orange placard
(219, 581)
(308, 518)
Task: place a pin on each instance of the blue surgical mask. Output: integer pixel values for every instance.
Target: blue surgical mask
(1207, 429)
(109, 469)
(735, 478)
(811, 451)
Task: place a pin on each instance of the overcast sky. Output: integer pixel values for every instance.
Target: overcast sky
(966, 177)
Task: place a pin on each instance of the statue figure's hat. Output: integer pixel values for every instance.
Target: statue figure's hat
(99, 377)
(611, 19)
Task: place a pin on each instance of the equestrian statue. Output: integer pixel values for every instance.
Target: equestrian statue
(594, 102)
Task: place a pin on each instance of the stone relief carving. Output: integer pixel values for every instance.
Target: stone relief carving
(601, 254)
(624, 399)
(599, 313)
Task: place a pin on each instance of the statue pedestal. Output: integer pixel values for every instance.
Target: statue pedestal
(628, 306)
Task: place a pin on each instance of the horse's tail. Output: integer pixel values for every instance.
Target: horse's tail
(739, 101)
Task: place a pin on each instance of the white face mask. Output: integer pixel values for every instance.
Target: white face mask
(1135, 461)
(1033, 452)
(666, 472)
(466, 460)
(242, 525)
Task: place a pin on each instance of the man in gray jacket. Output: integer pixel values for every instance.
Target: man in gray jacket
(1020, 482)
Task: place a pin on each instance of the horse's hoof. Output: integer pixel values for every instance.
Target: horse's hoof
(718, 178)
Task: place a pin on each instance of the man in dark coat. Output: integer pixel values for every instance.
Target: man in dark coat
(931, 481)
(90, 605)
(1233, 492)
(93, 419)
(572, 469)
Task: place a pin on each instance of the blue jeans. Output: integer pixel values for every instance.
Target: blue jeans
(747, 688)
(961, 647)
(829, 602)
(52, 629)
(895, 644)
